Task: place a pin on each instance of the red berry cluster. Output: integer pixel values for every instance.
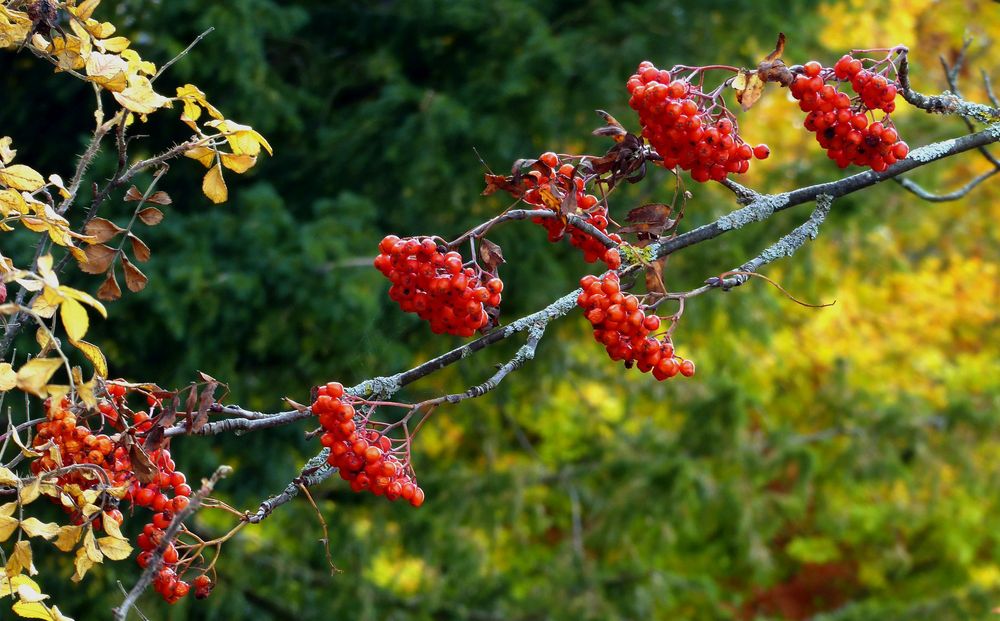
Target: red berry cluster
(683, 132)
(363, 456)
(546, 185)
(875, 91)
(77, 444)
(845, 127)
(436, 286)
(625, 330)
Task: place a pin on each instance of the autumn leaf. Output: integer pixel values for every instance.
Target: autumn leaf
(33, 527)
(34, 375)
(21, 177)
(67, 536)
(8, 378)
(151, 216)
(11, 202)
(74, 319)
(109, 289)
(108, 70)
(29, 493)
(139, 96)
(139, 248)
(6, 153)
(651, 219)
(203, 154)
(135, 280)
(81, 564)
(238, 163)
(20, 559)
(99, 259)
(102, 230)
(214, 186)
(749, 87)
(491, 255)
(500, 182)
(611, 128)
(159, 198)
(115, 548)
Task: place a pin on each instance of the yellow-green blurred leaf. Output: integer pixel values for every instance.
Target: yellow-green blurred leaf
(35, 374)
(74, 319)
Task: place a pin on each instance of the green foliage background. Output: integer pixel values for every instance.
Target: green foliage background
(840, 463)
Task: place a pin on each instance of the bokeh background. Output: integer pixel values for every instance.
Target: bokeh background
(836, 464)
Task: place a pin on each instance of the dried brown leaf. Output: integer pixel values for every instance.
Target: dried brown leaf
(491, 255)
(139, 248)
(500, 182)
(99, 259)
(133, 194)
(206, 399)
(151, 216)
(144, 469)
(649, 220)
(779, 48)
(102, 230)
(160, 198)
(611, 128)
(109, 291)
(135, 280)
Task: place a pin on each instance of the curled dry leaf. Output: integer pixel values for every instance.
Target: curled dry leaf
(139, 248)
(133, 194)
(500, 182)
(611, 128)
(99, 259)
(135, 280)
(102, 230)
(109, 289)
(151, 216)
(649, 220)
(491, 255)
(160, 198)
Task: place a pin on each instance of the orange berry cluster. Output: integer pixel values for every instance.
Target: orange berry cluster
(844, 126)
(547, 176)
(364, 457)
(684, 133)
(625, 330)
(436, 286)
(77, 444)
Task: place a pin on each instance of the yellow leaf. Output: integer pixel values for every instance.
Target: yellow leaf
(94, 355)
(14, 28)
(86, 8)
(6, 153)
(29, 493)
(108, 70)
(204, 155)
(114, 44)
(31, 610)
(238, 163)
(9, 585)
(74, 319)
(140, 97)
(46, 304)
(11, 202)
(8, 379)
(67, 537)
(30, 594)
(114, 548)
(59, 616)
(90, 545)
(35, 374)
(19, 559)
(81, 564)
(7, 527)
(21, 177)
(749, 87)
(86, 298)
(24, 450)
(214, 186)
(34, 527)
(136, 64)
(85, 390)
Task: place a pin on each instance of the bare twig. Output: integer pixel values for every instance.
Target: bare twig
(182, 54)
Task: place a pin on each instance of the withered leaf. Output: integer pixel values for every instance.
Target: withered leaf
(133, 194)
(490, 255)
(135, 280)
(102, 230)
(779, 48)
(654, 277)
(151, 216)
(139, 248)
(99, 259)
(749, 87)
(159, 198)
(499, 182)
(611, 128)
(206, 399)
(205, 377)
(109, 290)
(154, 437)
(190, 404)
(651, 219)
(144, 469)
